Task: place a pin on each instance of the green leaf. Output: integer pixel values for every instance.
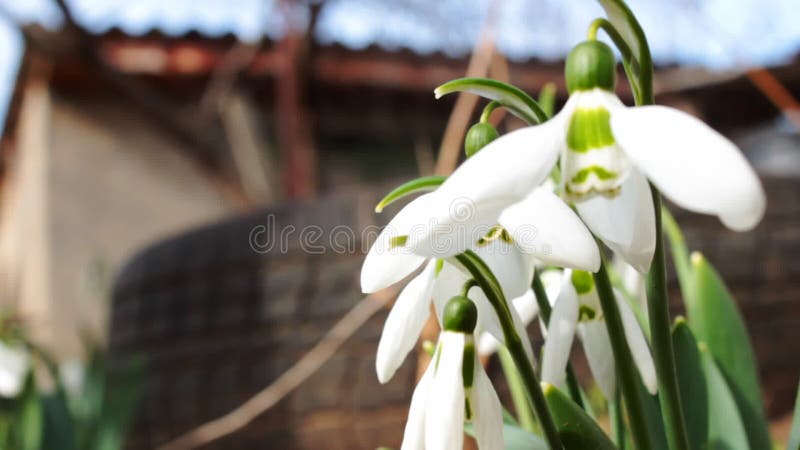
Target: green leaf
(794, 433)
(547, 98)
(726, 431)
(119, 407)
(511, 97)
(680, 252)
(515, 437)
(715, 321)
(641, 64)
(692, 384)
(59, 432)
(577, 430)
(30, 417)
(422, 184)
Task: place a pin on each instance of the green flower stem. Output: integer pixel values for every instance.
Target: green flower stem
(544, 310)
(617, 419)
(661, 340)
(626, 370)
(680, 252)
(491, 287)
(489, 109)
(516, 387)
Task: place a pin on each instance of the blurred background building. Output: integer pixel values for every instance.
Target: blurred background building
(143, 141)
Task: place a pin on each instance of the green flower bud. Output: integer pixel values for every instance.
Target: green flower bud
(478, 136)
(590, 65)
(460, 315)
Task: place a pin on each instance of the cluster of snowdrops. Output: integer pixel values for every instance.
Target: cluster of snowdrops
(525, 226)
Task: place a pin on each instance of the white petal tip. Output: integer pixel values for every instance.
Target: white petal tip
(437, 93)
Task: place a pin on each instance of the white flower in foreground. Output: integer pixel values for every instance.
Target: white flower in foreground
(577, 309)
(14, 366)
(439, 280)
(454, 389)
(607, 153)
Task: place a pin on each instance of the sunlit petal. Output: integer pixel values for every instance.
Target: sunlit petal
(597, 346)
(488, 412)
(560, 334)
(405, 322)
(638, 345)
(414, 435)
(386, 263)
(625, 223)
(444, 414)
(693, 165)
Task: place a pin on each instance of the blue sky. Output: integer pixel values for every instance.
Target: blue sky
(717, 34)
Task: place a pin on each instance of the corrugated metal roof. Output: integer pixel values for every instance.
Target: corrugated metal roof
(710, 33)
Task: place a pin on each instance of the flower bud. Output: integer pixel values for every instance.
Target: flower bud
(460, 315)
(590, 65)
(478, 136)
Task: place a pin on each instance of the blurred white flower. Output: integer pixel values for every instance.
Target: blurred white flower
(577, 309)
(73, 375)
(14, 366)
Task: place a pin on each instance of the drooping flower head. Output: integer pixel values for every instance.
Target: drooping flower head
(577, 310)
(607, 152)
(454, 389)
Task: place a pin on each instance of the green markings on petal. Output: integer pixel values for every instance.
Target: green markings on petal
(496, 232)
(422, 184)
(586, 313)
(599, 171)
(589, 128)
(398, 241)
(468, 364)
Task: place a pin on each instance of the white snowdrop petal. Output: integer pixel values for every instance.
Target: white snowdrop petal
(526, 306)
(404, 323)
(625, 223)
(545, 227)
(693, 165)
(14, 366)
(560, 334)
(512, 267)
(597, 346)
(501, 174)
(385, 264)
(488, 412)
(414, 435)
(638, 345)
(444, 414)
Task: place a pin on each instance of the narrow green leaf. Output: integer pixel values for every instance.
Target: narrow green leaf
(726, 431)
(641, 66)
(654, 419)
(692, 384)
(511, 97)
(547, 98)
(680, 251)
(59, 433)
(578, 431)
(422, 184)
(30, 417)
(715, 320)
(794, 433)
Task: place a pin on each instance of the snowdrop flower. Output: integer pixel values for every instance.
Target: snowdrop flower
(454, 389)
(439, 280)
(14, 366)
(607, 152)
(577, 309)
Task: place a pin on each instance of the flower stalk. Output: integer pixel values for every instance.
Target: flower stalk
(626, 369)
(488, 283)
(661, 340)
